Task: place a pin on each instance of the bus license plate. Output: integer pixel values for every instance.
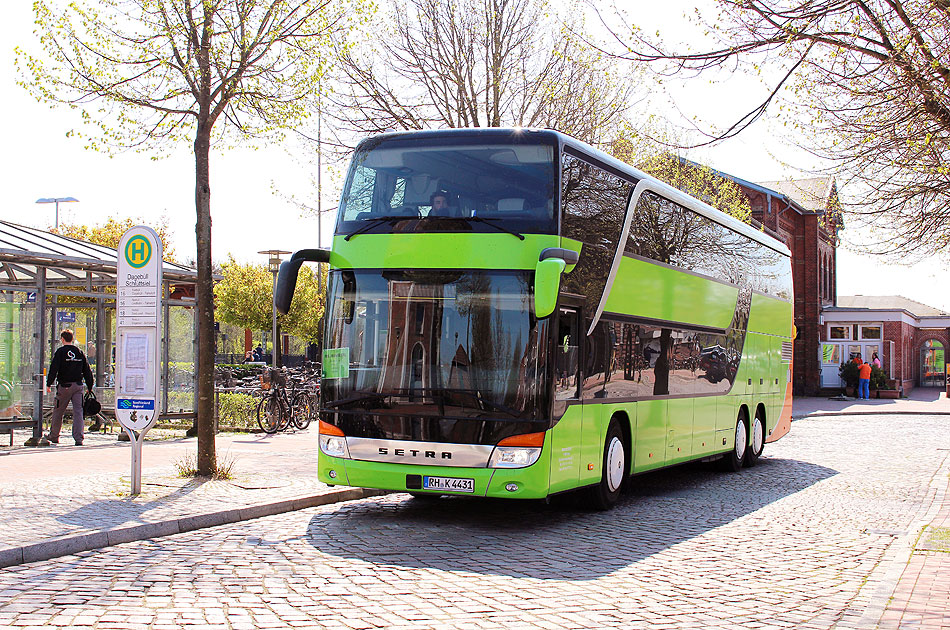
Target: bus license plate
(449, 484)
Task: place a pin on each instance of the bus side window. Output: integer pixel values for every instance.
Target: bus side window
(565, 352)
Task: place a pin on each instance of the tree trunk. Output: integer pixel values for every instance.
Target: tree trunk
(204, 403)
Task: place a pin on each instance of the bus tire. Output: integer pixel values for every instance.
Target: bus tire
(605, 494)
(758, 439)
(732, 461)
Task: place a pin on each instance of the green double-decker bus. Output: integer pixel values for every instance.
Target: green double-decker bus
(513, 313)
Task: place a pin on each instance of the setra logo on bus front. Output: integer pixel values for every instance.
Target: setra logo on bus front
(402, 452)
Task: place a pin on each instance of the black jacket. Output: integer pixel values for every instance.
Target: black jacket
(69, 366)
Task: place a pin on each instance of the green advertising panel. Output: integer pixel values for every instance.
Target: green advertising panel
(336, 363)
(9, 352)
(829, 353)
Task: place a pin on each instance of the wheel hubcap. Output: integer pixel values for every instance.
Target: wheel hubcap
(758, 436)
(740, 439)
(615, 464)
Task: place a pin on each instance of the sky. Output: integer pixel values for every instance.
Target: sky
(250, 188)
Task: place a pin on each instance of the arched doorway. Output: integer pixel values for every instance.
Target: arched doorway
(932, 364)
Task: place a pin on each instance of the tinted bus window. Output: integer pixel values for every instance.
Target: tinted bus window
(664, 231)
(512, 185)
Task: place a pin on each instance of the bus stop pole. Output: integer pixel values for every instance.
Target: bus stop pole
(40, 345)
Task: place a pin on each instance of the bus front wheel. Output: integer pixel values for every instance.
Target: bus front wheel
(732, 461)
(605, 494)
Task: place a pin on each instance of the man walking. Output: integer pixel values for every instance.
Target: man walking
(69, 369)
(864, 381)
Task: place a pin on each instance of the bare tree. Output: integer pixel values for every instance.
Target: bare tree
(148, 73)
(866, 84)
(488, 63)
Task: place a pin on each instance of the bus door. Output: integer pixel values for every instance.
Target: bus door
(567, 410)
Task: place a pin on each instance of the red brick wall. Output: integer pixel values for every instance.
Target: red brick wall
(814, 273)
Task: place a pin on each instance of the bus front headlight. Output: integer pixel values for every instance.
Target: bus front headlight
(517, 451)
(513, 457)
(333, 445)
(332, 441)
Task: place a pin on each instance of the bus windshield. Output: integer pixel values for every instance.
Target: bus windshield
(432, 187)
(453, 344)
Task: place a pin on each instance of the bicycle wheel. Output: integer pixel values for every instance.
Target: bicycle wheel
(303, 410)
(286, 416)
(270, 413)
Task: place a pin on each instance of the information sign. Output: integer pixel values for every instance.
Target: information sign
(65, 317)
(336, 363)
(138, 338)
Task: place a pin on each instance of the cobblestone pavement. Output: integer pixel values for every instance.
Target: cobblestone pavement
(814, 536)
(65, 490)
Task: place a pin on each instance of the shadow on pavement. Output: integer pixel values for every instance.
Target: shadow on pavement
(561, 541)
(111, 513)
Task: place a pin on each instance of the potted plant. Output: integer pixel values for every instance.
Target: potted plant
(890, 389)
(878, 381)
(849, 374)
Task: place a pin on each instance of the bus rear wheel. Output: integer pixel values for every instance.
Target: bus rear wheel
(732, 461)
(758, 440)
(605, 494)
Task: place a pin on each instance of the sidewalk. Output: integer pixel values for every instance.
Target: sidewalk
(920, 401)
(920, 598)
(62, 499)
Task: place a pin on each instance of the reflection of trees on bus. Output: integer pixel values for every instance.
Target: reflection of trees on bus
(669, 233)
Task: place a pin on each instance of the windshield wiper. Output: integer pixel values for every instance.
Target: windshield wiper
(374, 221)
(489, 220)
(354, 398)
(477, 219)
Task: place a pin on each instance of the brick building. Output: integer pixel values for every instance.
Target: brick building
(910, 338)
(805, 215)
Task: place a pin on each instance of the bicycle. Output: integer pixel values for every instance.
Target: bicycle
(273, 411)
(304, 403)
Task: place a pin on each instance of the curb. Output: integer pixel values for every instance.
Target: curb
(68, 545)
(822, 414)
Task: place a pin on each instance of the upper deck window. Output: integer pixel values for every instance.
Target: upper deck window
(400, 187)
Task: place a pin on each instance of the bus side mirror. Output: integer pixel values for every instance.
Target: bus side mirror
(287, 277)
(547, 284)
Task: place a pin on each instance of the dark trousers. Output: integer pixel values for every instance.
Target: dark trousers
(65, 394)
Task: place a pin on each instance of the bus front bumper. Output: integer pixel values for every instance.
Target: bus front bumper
(530, 482)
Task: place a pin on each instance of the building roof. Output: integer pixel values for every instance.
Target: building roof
(812, 194)
(23, 249)
(884, 303)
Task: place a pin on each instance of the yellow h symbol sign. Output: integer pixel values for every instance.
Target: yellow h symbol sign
(138, 251)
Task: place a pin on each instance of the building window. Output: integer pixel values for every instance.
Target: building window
(870, 332)
(839, 332)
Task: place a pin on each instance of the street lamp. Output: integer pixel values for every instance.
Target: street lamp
(57, 201)
(273, 266)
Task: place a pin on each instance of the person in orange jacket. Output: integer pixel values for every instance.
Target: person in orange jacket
(864, 381)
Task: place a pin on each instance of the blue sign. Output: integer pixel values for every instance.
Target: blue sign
(129, 403)
(66, 317)
(31, 296)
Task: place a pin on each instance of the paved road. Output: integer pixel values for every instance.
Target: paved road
(65, 490)
(813, 537)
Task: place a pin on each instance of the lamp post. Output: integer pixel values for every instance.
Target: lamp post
(273, 266)
(57, 201)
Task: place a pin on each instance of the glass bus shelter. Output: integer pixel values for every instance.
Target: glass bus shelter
(50, 282)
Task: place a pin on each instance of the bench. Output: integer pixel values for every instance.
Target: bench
(7, 425)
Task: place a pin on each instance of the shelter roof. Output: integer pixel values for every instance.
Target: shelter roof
(67, 260)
